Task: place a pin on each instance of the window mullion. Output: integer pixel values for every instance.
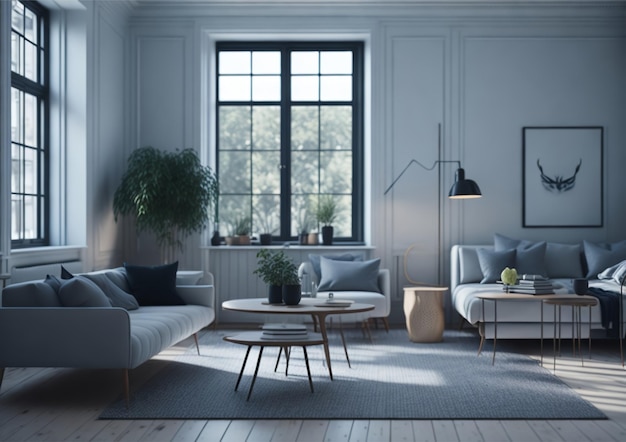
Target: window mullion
(285, 146)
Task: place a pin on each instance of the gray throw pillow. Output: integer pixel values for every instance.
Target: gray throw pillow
(117, 296)
(81, 292)
(531, 260)
(315, 260)
(563, 260)
(360, 276)
(599, 257)
(502, 243)
(492, 263)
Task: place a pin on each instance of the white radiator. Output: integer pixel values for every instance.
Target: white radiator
(39, 271)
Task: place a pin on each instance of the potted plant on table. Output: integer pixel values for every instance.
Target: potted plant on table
(170, 194)
(326, 214)
(278, 271)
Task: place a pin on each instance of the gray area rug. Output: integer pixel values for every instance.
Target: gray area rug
(391, 378)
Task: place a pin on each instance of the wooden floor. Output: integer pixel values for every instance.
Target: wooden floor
(63, 405)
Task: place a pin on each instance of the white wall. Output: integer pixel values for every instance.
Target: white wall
(483, 73)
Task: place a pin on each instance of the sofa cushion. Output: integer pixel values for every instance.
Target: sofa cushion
(117, 296)
(599, 257)
(349, 275)
(469, 266)
(492, 263)
(154, 285)
(315, 260)
(563, 260)
(81, 292)
(502, 242)
(531, 260)
(30, 294)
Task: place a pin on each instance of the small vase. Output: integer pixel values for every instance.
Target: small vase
(215, 239)
(265, 239)
(292, 293)
(327, 235)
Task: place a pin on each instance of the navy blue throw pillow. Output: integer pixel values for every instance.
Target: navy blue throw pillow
(153, 285)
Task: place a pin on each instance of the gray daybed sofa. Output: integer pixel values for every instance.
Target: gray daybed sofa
(44, 325)
(561, 263)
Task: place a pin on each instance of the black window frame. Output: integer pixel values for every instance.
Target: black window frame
(358, 146)
(40, 90)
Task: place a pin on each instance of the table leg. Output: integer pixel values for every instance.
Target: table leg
(280, 352)
(321, 319)
(482, 328)
(256, 371)
(554, 341)
(495, 330)
(308, 369)
(242, 367)
(541, 307)
(589, 311)
(343, 341)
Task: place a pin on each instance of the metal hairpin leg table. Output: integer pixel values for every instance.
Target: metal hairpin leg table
(576, 303)
(517, 297)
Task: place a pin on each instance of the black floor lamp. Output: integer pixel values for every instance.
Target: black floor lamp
(462, 188)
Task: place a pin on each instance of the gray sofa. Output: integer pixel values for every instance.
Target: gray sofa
(561, 263)
(41, 328)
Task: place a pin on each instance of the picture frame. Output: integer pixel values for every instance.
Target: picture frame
(562, 176)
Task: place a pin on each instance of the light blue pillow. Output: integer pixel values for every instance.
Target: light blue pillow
(492, 263)
(600, 257)
(502, 243)
(531, 260)
(117, 296)
(315, 260)
(563, 260)
(360, 276)
(81, 292)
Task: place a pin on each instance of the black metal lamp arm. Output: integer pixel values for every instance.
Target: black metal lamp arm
(423, 167)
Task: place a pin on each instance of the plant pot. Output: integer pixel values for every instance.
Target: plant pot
(292, 293)
(302, 238)
(243, 240)
(327, 235)
(313, 239)
(265, 239)
(232, 240)
(275, 294)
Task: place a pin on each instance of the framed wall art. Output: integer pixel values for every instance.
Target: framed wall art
(562, 176)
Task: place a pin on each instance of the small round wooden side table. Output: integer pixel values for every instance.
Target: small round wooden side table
(423, 309)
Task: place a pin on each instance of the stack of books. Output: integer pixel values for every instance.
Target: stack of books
(532, 285)
(283, 331)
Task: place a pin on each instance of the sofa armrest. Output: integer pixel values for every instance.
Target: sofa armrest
(85, 337)
(384, 282)
(307, 268)
(197, 294)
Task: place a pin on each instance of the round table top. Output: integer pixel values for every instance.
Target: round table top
(521, 296)
(258, 338)
(306, 306)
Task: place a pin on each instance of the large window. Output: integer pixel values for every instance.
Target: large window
(290, 133)
(29, 116)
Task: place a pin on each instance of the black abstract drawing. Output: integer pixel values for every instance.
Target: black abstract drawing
(558, 184)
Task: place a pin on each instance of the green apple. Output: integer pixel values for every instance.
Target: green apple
(509, 276)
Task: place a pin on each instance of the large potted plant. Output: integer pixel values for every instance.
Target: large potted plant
(170, 194)
(326, 214)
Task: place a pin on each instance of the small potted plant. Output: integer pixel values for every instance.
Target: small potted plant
(279, 272)
(267, 227)
(326, 214)
(240, 231)
(305, 224)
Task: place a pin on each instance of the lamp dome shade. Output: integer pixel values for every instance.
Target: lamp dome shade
(464, 188)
